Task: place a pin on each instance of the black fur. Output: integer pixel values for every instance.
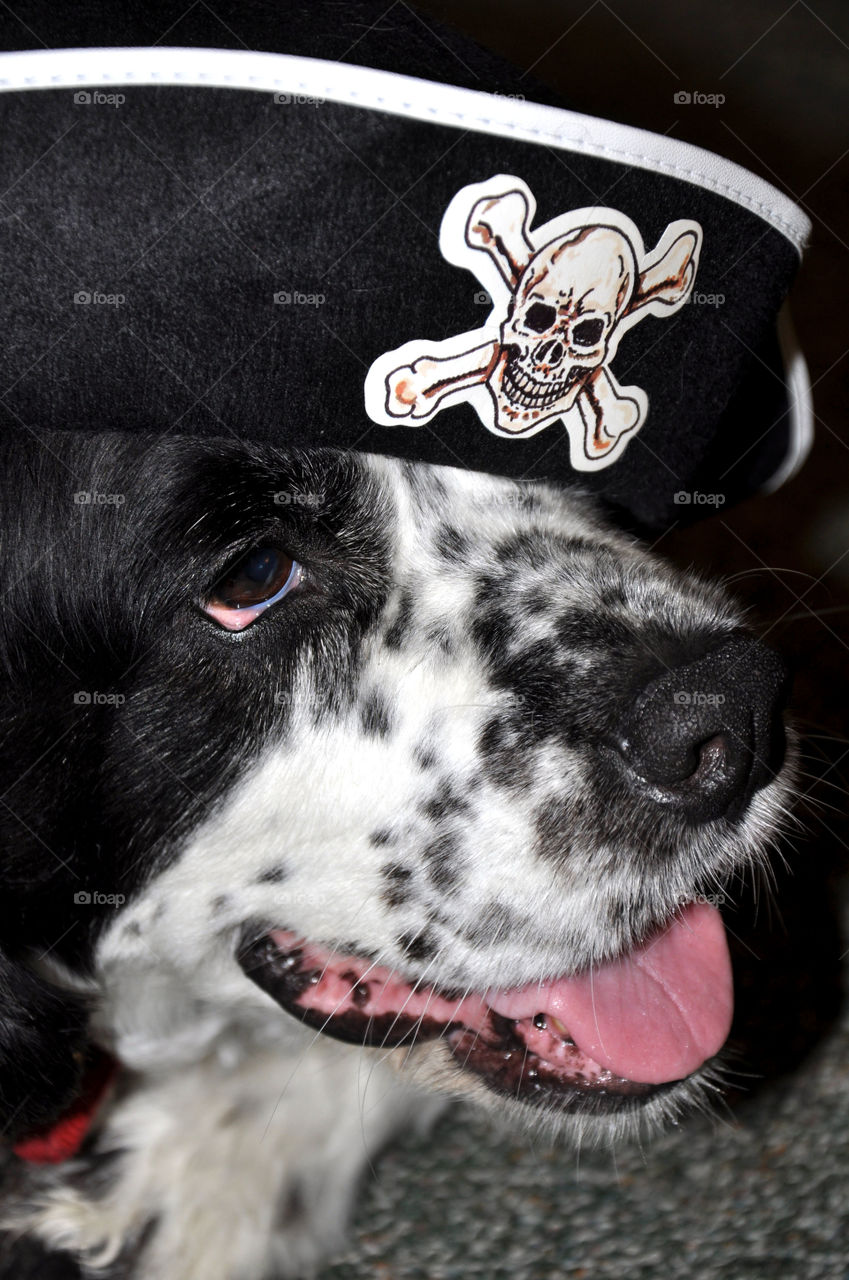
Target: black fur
(98, 599)
(42, 1037)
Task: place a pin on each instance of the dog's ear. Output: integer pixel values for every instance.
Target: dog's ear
(42, 1042)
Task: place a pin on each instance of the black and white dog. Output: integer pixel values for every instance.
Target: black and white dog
(331, 785)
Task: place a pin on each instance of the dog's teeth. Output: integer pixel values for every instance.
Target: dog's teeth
(545, 1022)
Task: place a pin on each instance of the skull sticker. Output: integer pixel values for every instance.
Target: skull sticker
(563, 295)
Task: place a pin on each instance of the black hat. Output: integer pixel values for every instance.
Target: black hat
(275, 231)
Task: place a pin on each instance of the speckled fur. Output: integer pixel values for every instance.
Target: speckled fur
(443, 805)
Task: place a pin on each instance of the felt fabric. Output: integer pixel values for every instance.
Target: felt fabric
(216, 261)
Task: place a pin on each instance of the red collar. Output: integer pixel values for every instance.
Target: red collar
(64, 1138)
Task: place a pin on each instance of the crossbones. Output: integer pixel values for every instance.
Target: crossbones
(563, 295)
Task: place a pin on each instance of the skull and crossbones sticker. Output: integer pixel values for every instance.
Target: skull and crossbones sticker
(563, 296)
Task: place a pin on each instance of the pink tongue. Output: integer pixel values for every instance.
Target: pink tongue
(652, 1016)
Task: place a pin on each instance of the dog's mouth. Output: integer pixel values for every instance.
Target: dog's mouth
(598, 1040)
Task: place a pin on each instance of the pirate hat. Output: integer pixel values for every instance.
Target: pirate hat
(339, 225)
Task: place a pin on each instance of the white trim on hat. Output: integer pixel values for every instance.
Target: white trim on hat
(443, 104)
(800, 405)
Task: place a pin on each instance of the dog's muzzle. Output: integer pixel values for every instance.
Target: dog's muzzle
(596, 1040)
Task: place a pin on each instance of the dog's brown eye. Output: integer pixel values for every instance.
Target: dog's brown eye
(257, 581)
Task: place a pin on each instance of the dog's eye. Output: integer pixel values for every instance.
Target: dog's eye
(252, 585)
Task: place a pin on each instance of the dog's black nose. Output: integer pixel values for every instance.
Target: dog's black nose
(704, 737)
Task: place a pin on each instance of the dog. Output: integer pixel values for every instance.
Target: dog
(335, 786)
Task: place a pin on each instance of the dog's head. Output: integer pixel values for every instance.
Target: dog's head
(427, 760)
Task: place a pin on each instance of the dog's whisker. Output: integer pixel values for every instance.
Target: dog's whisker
(807, 800)
(819, 781)
(763, 569)
(815, 738)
